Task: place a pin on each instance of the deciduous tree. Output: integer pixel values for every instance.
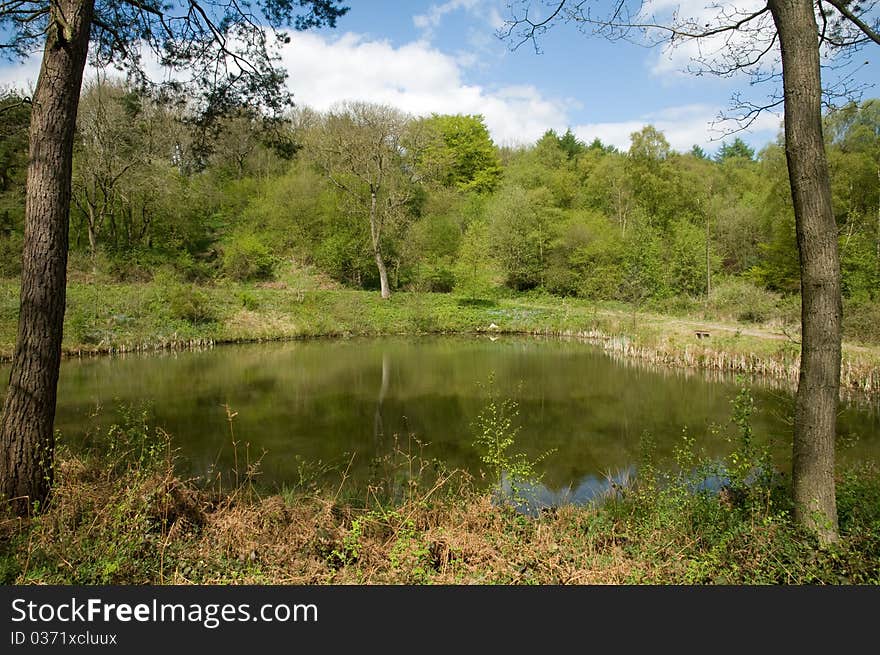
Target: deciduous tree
(370, 152)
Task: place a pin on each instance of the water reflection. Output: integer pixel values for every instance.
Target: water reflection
(341, 401)
(533, 498)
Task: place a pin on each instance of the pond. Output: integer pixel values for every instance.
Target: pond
(346, 404)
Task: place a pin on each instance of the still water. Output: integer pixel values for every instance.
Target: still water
(348, 403)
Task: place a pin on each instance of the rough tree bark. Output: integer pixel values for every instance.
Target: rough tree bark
(818, 386)
(26, 428)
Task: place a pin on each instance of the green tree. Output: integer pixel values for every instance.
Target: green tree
(459, 152)
(651, 175)
(106, 150)
(699, 153)
(571, 145)
(737, 149)
(519, 235)
(475, 267)
(369, 152)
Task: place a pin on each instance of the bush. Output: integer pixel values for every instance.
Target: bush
(246, 258)
(191, 304)
(436, 279)
(192, 269)
(249, 301)
(744, 301)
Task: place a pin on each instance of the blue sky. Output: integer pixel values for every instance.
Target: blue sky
(444, 56)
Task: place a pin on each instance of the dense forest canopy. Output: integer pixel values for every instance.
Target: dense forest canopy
(153, 191)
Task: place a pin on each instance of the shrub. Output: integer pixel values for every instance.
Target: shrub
(245, 258)
(249, 301)
(191, 304)
(744, 301)
(437, 279)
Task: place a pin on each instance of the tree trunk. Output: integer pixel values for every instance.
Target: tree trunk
(92, 222)
(708, 257)
(819, 381)
(375, 233)
(26, 428)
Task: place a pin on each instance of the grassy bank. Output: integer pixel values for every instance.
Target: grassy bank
(118, 514)
(105, 317)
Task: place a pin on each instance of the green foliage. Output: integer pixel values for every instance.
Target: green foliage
(10, 255)
(411, 553)
(348, 553)
(246, 257)
(687, 269)
(249, 301)
(744, 301)
(495, 437)
(737, 149)
(570, 219)
(519, 236)
(437, 278)
(191, 304)
(861, 321)
(749, 468)
(779, 269)
(460, 153)
(860, 266)
(15, 116)
(649, 144)
(132, 443)
(344, 255)
(644, 272)
(586, 257)
(474, 267)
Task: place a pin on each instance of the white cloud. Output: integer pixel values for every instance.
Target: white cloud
(496, 20)
(683, 127)
(416, 78)
(20, 76)
(435, 14)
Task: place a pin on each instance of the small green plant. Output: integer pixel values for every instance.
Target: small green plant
(750, 469)
(648, 474)
(410, 553)
(132, 443)
(351, 545)
(495, 437)
(249, 301)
